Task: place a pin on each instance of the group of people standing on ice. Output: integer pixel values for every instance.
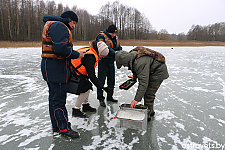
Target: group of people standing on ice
(60, 61)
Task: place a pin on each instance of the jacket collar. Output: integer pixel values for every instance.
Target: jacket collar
(56, 18)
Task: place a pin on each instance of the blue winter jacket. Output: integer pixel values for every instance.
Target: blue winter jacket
(57, 70)
(111, 50)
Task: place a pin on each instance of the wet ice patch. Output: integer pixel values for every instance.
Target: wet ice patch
(105, 141)
(85, 123)
(35, 137)
(222, 82)
(26, 82)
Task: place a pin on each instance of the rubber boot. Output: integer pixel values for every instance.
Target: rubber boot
(150, 107)
(151, 112)
(149, 116)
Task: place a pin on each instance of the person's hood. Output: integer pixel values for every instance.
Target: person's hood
(56, 18)
(123, 58)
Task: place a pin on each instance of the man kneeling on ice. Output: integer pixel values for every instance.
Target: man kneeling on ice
(149, 67)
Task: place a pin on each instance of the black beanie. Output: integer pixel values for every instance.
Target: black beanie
(111, 29)
(70, 14)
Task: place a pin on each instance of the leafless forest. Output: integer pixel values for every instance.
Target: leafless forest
(21, 20)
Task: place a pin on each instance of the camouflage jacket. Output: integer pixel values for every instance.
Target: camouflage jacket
(144, 68)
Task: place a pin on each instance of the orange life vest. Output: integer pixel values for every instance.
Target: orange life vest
(108, 41)
(80, 69)
(47, 46)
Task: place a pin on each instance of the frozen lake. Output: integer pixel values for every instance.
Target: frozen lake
(189, 106)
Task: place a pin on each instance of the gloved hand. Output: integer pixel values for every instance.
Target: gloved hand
(133, 104)
(133, 78)
(106, 89)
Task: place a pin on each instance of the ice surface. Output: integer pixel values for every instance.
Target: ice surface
(189, 105)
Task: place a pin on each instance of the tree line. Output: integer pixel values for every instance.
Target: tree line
(214, 32)
(22, 20)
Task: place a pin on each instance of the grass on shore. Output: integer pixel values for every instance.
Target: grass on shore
(9, 44)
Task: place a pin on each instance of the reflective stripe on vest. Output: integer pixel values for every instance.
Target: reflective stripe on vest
(47, 46)
(108, 41)
(80, 69)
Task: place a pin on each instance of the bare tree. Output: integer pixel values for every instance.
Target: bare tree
(22, 20)
(163, 34)
(181, 36)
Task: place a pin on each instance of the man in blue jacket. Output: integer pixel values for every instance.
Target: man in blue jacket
(106, 66)
(57, 52)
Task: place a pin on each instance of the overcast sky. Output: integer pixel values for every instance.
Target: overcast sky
(175, 16)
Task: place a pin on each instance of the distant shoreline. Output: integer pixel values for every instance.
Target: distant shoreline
(163, 43)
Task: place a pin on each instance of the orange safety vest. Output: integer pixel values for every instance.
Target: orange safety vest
(108, 41)
(47, 46)
(80, 69)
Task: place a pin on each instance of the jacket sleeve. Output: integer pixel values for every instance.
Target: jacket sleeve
(59, 35)
(142, 69)
(111, 51)
(89, 61)
(120, 48)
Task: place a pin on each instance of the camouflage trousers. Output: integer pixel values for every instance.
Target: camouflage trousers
(149, 96)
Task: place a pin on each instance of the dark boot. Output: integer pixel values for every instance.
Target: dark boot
(151, 112)
(112, 100)
(78, 113)
(87, 107)
(102, 103)
(149, 115)
(72, 134)
(56, 129)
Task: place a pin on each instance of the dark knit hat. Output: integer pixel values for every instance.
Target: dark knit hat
(111, 29)
(70, 14)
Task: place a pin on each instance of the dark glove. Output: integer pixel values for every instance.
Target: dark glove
(106, 89)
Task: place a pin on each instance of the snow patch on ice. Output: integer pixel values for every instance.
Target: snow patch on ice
(179, 125)
(164, 115)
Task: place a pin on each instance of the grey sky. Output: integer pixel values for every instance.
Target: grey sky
(175, 16)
